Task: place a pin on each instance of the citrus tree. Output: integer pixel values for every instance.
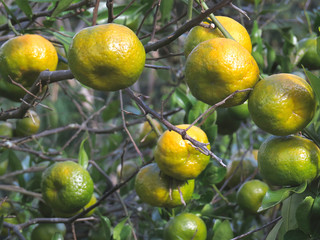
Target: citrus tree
(159, 119)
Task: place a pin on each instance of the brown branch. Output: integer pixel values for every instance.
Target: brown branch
(95, 13)
(45, 14)
(13, 188)
(15, 173)
(14, 228)
(125, 9)
(126, 129)
(45, 78)
(155, 20)
(201, 146)
(185, 27)
(110, 11)
(257, 229)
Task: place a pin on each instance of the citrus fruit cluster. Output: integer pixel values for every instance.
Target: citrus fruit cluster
(67, 188)
(106, 57)
(283, 104)
(26, 126)
(170, 181)
(216, 66)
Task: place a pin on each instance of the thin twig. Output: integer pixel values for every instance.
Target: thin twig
(46, 14)
(13, 188)
(257, 229)
(110, 11)
(127, 130)
(28, 170)
(185, 27)
(157, 66)
(95, 13)
(155, 20)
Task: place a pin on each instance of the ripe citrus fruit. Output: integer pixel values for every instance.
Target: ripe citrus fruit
(28, 125)
(92, 201)
(282, 104)
(22, 58)
(177, 158)
(106, 57)
(46, 231)
(147, 135)
(288, 160)
(5, 129)
(311, 58)
(159, 190)
(238, 170)
(218, 67)
(226, 123)
(185, 226)
(200, 34)
(66, 186)
(250, 195)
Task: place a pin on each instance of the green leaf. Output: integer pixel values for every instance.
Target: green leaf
(303, 214)
(9, 11)
(83, 156)
(273, 198)
(296, 234)
(256, 39)
(111, 111)
(106, 226)
(66, 41)
(274, 232)
(129, 18)
(222, 231)
(1, 222)
(25, 7)
(271, 56)
(125, 233)
(288, 213)
(62, 5)
(57, 236)
(41, 1)
(314, 82)
(214, 174)
(318, 44)
(166, 9)
(118, 229)
(15, 164)
(315, 216)
(180, 99)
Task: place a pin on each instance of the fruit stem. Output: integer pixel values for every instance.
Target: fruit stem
(215, 21)
(220, 194)
(13, 28)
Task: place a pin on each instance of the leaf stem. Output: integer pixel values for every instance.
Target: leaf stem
(220, 194)
(190, 8)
